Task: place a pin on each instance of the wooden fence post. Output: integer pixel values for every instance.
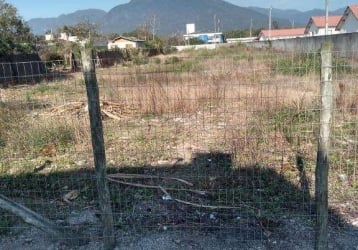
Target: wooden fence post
(322, 167)
(90, 78)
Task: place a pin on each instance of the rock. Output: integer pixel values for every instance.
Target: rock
(343, 177)
(82, 218)
(81, 163)
(355, 224)
(162, 163)
(166, 197)
(112, 162)
(28, 240)
(213, 216)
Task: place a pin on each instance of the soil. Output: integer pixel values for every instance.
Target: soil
(284, 233)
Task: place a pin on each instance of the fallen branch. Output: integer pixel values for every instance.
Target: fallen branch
(39, 221)
(142, 176)
(170, 197)
(110, 115)
(212, 206)
(199, 192)
(110, 109)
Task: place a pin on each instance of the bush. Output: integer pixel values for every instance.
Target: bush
(157, 60)
(53, 58)
(140, 60)
(172, 60)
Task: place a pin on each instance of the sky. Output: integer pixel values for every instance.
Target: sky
(28, 9)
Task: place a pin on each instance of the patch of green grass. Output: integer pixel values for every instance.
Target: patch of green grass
(29, 139)
(300, 64)
(60, 135)
(44, 88)
(140, 60)
(187, 66)
(292, 121)
(303, 64)
(172, 60)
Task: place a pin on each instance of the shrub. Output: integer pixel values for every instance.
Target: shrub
(172, 60)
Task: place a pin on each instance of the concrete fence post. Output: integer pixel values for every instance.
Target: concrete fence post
(322, 167)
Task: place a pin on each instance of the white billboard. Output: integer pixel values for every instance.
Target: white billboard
(190, 28)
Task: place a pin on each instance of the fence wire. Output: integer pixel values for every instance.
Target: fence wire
(213, 149)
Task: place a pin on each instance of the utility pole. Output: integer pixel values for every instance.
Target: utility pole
(153, 24)
(270, 23)
(293, 23)
(251, 27)
(326, 29)
(214, 22)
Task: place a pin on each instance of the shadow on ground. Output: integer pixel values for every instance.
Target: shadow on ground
(208, 196)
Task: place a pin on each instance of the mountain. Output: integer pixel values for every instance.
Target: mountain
(170, 17)
(173, 15)
(40, 25)
(296, 18)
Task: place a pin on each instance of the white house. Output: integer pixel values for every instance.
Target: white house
(73, 39)
(122, 42)
(49, 37)
(317, 25)
(63, 36)
(349, 21)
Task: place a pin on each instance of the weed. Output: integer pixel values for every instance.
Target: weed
(140, 60)
(304, 64)
(292, 121)
(37, 137)
(172, 60)
(157, 60)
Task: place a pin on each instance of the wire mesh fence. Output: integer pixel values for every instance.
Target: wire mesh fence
(204, 149)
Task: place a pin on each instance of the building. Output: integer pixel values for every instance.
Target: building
(122, 42)
(63, 36)
(281, 33)
(207, 38)
(317, 25)
(73, 39)
(349, 21)
(49, 37)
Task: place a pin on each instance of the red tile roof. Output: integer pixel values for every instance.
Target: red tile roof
(320, 21)
(354, 9)
(283, 32)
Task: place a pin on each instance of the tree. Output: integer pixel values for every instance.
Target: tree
(15, 34)
(241, 33)
(83, 30)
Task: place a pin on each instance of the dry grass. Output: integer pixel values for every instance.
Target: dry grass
(230, 102)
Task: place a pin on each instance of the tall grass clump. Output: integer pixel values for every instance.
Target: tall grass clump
(29, 137)
(305, 63)
(10, 115)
